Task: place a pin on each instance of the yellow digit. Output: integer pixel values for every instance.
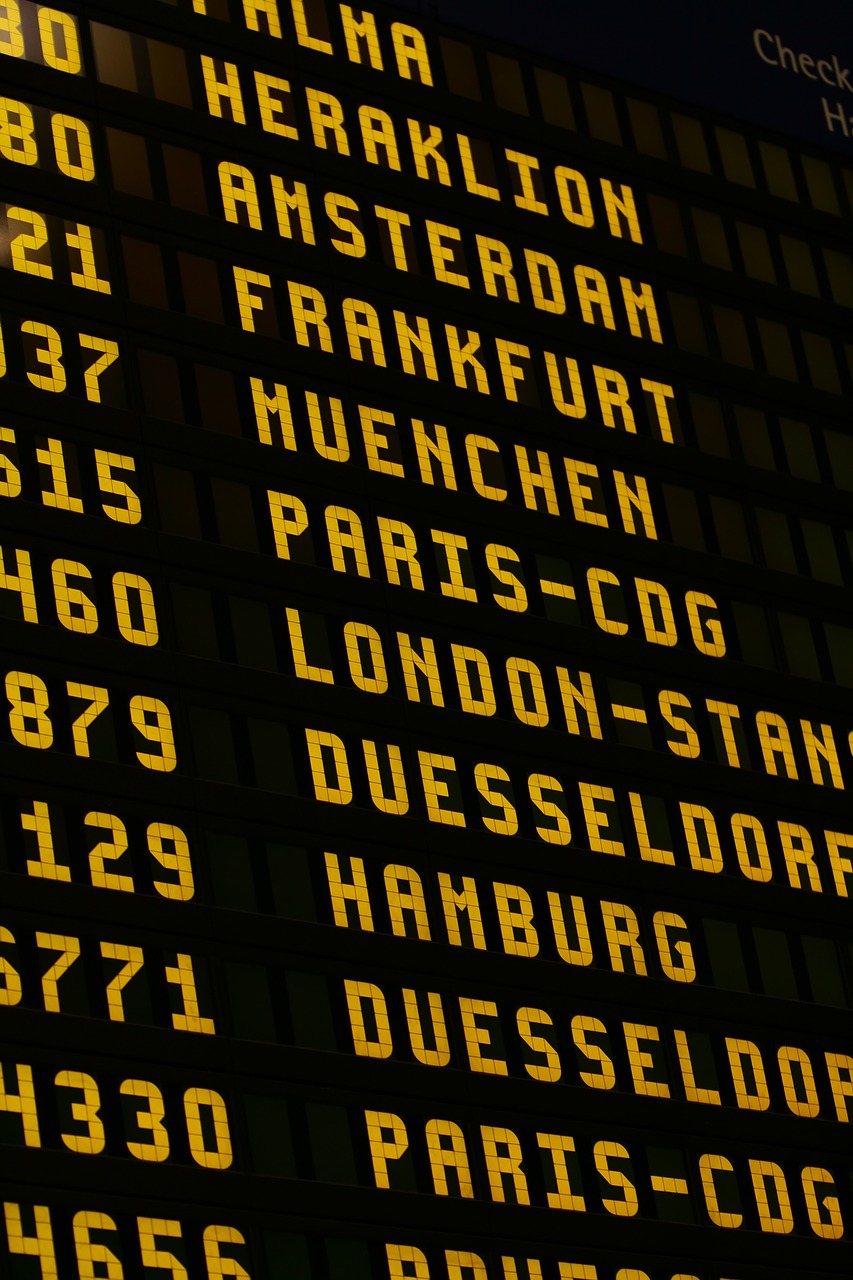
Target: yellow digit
(217, 1266)
(22, 1103)
(134, 960)
(131, 511)
(10, 476)
(11, 990)
(179, 860)
(74, 609)
(64, 128)
(22, 242)
(99, 700)
(110, 850)
(20, 582)
(91, 1255)
(222, 1156)
(38, 1246)
(79, 237)
(183, 977)
(149, 1230)
(69, 949)
(91, 376)
(17, 132)
(149, 633)
(52, 456)
(11, 35)
(157, 1149)
(87, 1111)
(62, 54)
(152, 718)
(51, 356)
(28, 717)
(45, 866)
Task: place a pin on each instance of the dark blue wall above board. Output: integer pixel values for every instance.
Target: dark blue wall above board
(783, 64)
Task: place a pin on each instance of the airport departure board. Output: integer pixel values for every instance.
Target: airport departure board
(427, 705)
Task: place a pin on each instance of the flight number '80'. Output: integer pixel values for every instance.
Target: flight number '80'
(71, 140)
(56, 42)
(31, 724)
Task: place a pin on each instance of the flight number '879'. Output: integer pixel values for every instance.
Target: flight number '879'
(31, 723)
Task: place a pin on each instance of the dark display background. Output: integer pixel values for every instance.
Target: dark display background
(158, 481)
